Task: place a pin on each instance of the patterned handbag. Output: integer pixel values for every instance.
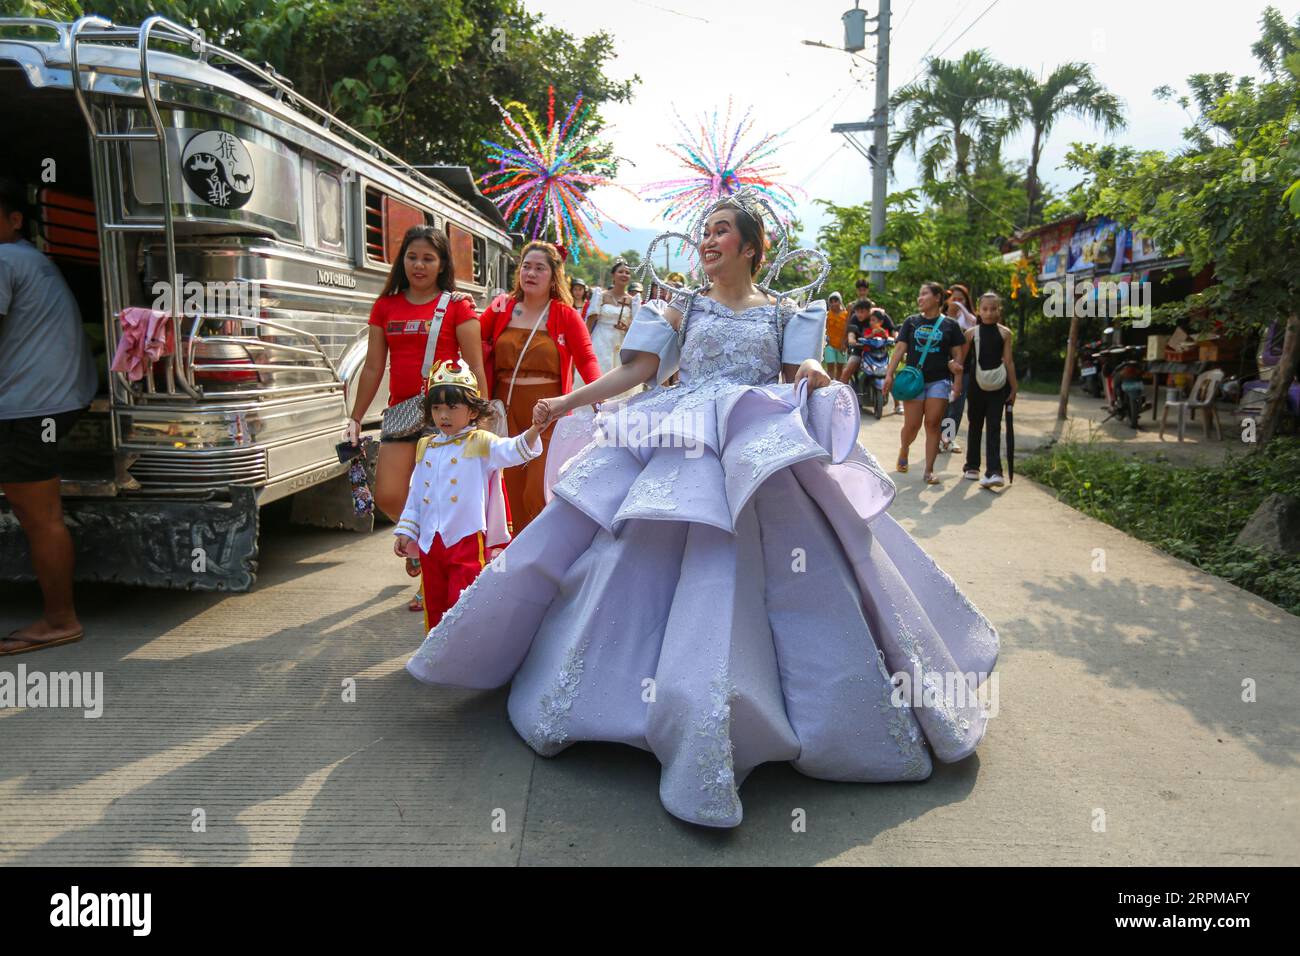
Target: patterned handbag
(406, 418)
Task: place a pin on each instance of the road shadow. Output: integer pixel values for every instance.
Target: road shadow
(184, 717)
(287, 554)
(1191, 642)
(598, 804)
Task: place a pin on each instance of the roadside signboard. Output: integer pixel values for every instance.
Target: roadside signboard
(877, 259)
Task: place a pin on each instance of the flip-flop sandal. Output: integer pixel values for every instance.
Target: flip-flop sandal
(412, 567)
(35, 645)
(932, 479)
(902, 465)
(417, 603)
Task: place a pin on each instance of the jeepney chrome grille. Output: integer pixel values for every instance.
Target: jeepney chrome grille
(189, 470)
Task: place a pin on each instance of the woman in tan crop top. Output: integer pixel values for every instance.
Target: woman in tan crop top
(540, 301)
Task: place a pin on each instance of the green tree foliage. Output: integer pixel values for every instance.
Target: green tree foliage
(593, 269)
(951, 117)
(1069, 90)
(945, 232)
(1223, 200)
(415, 75)
(1227, 200)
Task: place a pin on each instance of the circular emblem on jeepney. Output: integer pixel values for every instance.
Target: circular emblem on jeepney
(218, 169)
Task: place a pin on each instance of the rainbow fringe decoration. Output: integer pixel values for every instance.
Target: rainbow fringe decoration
(719, 166)
(541, 183)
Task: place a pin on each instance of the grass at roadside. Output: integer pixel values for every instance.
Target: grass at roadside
(1041, 387)
(1191, 513)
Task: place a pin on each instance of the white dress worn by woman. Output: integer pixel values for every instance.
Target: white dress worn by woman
(606, 336)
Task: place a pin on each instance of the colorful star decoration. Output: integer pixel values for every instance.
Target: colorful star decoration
(719, 164)
(542, 182)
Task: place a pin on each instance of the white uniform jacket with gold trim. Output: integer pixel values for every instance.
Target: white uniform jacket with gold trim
(456, 486)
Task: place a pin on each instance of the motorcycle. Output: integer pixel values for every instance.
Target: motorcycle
(871, 375)
(1125, 391)
(1090, 366)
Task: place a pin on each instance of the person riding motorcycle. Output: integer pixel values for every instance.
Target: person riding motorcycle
(869, 337)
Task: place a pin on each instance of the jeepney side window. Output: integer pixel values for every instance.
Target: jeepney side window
(480, 261)
(462, 252)
(374, 225)
(329, 210)
(387, 220)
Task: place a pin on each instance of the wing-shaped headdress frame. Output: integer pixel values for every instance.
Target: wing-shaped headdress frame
(756, 205)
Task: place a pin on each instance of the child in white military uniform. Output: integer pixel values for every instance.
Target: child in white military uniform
(455, 511)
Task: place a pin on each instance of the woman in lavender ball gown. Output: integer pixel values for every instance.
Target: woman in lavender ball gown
(716, 579)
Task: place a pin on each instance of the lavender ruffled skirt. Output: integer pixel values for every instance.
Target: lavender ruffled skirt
(715, 580)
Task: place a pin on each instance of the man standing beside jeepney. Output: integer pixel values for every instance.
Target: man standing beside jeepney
(47, 379)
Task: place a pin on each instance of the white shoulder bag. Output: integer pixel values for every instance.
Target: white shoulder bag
(989, 379)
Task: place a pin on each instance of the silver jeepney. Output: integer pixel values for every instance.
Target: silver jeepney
(268, 240)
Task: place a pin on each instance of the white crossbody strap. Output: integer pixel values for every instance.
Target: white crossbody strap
(435, 327)
(536, 325)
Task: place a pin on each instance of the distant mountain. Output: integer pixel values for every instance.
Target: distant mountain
(613, 240)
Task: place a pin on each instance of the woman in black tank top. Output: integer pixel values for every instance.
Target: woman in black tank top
(990, 347)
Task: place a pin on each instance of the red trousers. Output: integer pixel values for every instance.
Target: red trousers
(448, 571)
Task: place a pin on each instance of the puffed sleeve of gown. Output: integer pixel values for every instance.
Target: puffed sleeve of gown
(805, 330)
(651, 332)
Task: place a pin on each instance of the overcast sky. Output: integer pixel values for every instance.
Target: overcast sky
(694, 55)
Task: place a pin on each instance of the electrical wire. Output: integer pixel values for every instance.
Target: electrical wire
(968, 29)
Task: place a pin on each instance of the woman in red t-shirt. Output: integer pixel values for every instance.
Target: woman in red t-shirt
(399, 333)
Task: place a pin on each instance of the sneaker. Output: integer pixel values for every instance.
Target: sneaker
(954, 447)
(971, 474)
(898, 408)
(992, 481)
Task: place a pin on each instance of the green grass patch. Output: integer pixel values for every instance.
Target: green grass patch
(1192, 513)
(1043, 387)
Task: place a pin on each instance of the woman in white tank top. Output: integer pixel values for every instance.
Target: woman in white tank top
(609, 316)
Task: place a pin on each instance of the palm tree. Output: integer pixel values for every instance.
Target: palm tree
(1070, 90)
(952, 114)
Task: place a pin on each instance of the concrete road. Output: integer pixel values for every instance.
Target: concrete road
(225, 738)
(1037, 424)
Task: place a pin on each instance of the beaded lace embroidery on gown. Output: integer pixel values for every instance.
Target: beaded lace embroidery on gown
(716, 580)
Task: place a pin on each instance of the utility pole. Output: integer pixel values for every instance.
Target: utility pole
(880, 145)
(855, 34)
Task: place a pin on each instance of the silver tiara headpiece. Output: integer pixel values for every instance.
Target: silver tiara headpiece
(755, 204)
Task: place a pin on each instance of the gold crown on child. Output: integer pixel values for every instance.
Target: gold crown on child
(454, 373)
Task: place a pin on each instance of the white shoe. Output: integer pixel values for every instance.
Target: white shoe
(971, 475)
(992, 481)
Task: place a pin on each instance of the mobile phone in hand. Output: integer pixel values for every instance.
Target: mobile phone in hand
(347, 451)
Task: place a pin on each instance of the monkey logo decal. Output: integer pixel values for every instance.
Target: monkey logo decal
(217, 167)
